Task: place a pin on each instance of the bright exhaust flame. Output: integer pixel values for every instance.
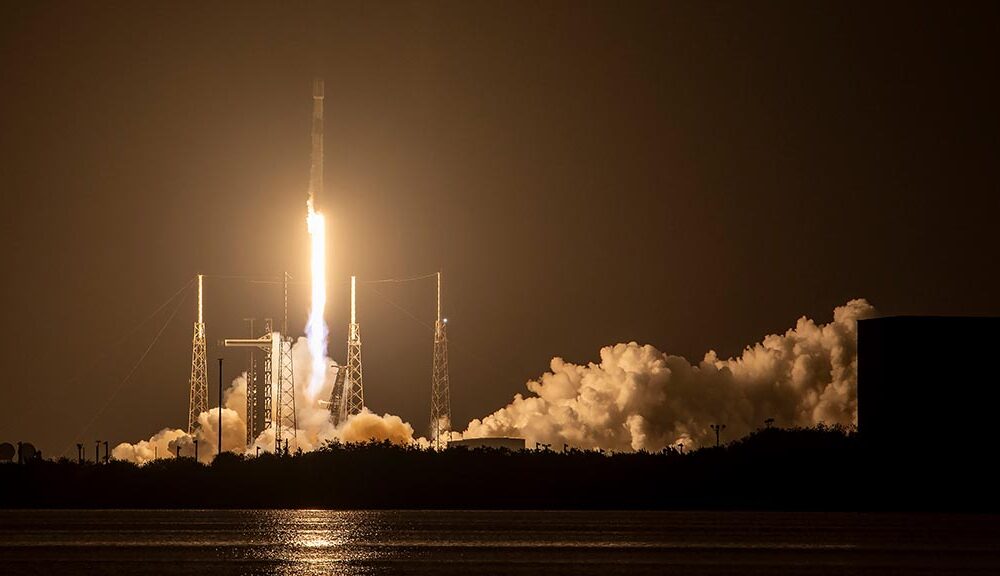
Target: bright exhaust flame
(316, 330)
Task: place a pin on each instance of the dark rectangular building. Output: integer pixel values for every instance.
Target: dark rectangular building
(929, 389)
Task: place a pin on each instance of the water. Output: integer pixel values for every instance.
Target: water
(490, 542)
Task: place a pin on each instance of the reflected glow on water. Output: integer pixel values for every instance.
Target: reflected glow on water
(490, 542)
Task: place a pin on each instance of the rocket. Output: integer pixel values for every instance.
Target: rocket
(316, 172)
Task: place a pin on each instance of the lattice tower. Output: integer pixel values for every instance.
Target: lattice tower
(355, 384)
(440, 394)
(198, 397)
(285, 428)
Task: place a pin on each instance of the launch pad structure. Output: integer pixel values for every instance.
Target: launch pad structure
(270, 395)
(276, 394)
(277, 383)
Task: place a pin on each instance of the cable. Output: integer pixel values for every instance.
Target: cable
(254, 278)
(114, 345)
(403, 310)
(399, 280)
(125, 380)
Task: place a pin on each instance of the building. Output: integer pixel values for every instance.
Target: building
(513, 444)
(928, 394)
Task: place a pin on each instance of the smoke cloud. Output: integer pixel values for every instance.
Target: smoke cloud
(639, 398)
(635, 398)
(313, 425)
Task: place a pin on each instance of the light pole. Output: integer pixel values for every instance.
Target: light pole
(717, 428)
(220, 405)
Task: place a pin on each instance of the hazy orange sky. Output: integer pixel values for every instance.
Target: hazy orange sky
(689, 175)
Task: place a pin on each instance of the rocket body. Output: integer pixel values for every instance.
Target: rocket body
(316, 172)
(316, 330)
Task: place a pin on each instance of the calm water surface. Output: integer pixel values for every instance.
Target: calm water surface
(507, 542)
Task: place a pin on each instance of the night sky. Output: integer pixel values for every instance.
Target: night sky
(688, 175)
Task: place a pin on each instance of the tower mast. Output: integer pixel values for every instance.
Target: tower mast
(198, 398)
(354, 383)
(440, 394)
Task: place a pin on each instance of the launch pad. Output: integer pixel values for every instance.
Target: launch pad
(270, 393)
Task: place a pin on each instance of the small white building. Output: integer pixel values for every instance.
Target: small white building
(513, 444)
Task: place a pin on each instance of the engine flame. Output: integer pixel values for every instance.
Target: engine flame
(316, 329)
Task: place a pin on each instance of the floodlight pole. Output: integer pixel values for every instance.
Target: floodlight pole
(220, 402)
(717, 428)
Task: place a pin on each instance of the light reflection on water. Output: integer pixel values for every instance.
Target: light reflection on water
(435, 542)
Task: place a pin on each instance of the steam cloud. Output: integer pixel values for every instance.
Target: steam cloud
(314, 427)
(636, 398)
(639, 398)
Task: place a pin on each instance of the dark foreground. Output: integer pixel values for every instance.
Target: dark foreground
(807, 470)
(218, 542)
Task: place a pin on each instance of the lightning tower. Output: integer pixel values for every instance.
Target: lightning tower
(348, 394)
(198, 399)
(440, 395)
(354, 383)
(285, 422)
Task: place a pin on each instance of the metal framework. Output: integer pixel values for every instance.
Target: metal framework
(440, 394)
(338, 403)
(286, 425)
(348, 394)
(278, 387)
(268, 411)
(198, 397)
(251, 415)
(354, 383)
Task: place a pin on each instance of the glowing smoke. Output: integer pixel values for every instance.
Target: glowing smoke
(636, 398)
(313, 419)
(640, 398)
(316, 330)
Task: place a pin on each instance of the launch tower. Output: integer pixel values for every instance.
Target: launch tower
(251, 415)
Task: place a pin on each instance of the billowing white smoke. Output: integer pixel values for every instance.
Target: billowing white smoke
(640, 398)
(313, 425)
(636, 398)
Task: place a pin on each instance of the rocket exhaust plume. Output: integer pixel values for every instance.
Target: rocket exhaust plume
(316, 329)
